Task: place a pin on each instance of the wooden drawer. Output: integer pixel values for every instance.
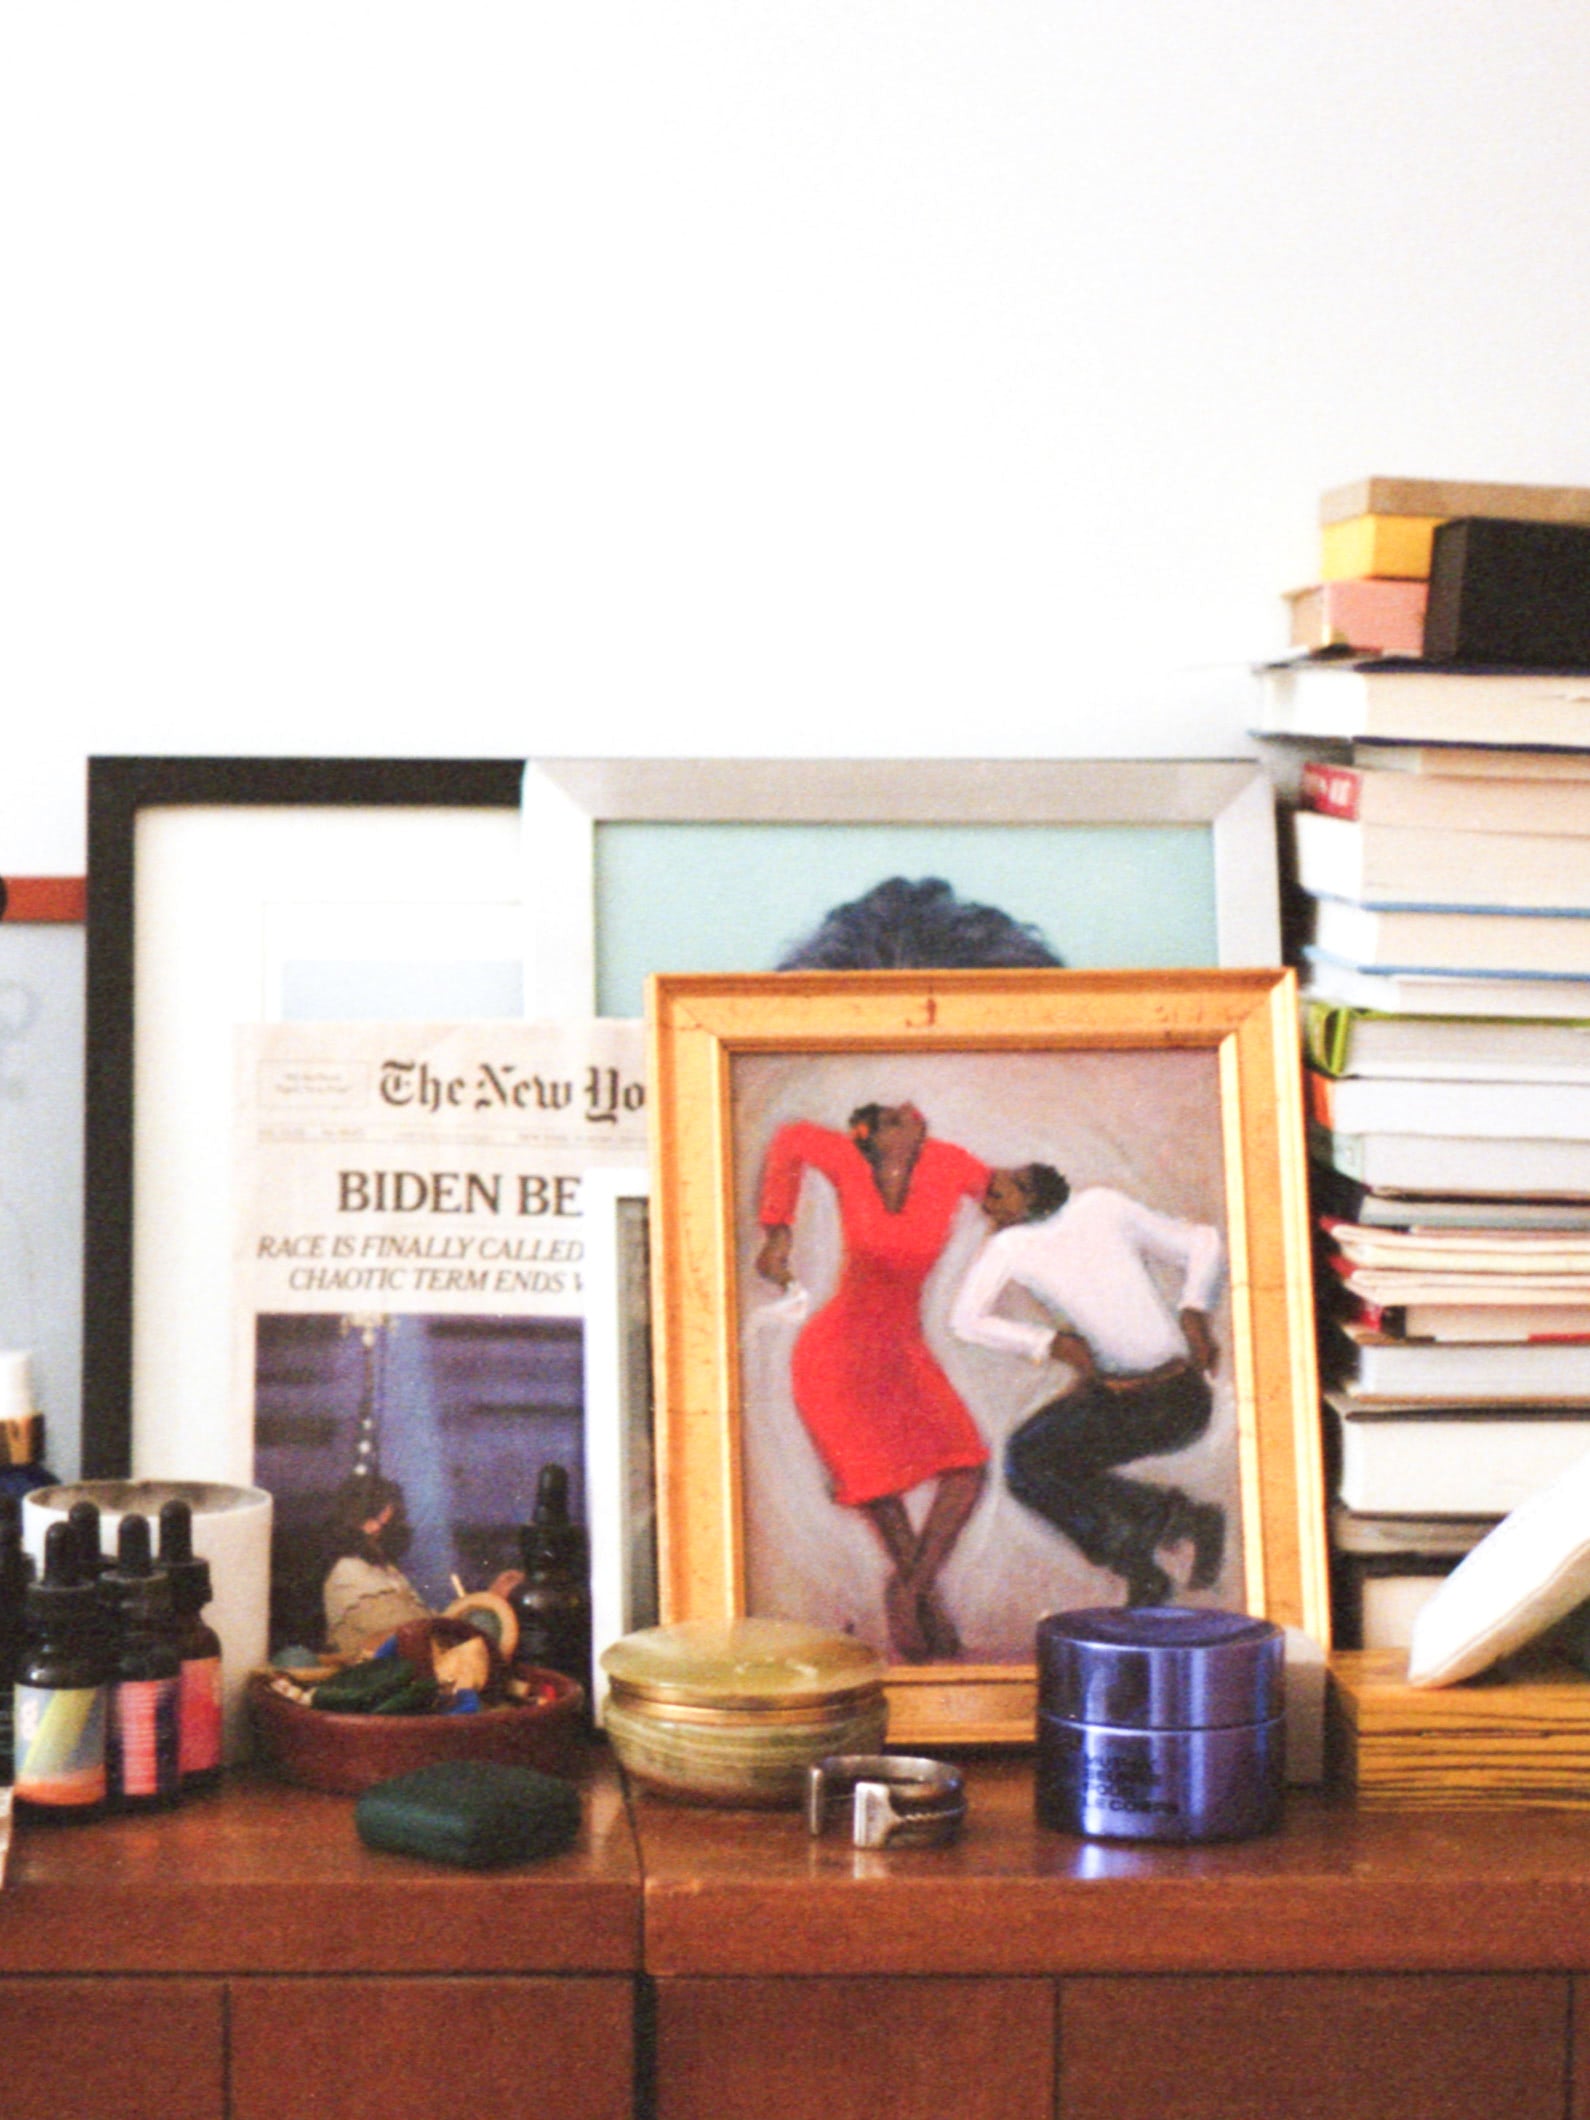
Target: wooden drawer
(112, 2049)
(852, 2049)
(432, 2048)
(1333, 2046)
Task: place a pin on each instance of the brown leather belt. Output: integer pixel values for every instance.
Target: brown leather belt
(1179, 1365)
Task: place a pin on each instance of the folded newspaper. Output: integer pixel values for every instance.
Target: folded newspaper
(409, 1295)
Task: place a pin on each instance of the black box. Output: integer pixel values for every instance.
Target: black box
(473, 1812)
(1506, 592)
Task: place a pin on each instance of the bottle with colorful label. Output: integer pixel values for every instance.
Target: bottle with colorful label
(198, 1646)
(141, 1745)
(62, 1691)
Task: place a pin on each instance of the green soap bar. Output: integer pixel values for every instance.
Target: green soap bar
(470, 1812)
(356, 1690)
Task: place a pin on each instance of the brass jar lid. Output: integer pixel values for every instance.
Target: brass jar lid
(764, 1664)
(811, 1715)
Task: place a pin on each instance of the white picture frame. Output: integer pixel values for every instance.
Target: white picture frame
(618, 1411)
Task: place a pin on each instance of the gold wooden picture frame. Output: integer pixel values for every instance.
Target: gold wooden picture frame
(1177, 1090)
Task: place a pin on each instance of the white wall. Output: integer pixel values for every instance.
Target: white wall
(665, 376)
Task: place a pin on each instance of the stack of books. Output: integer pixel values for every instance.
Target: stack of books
(1376, 539)
(1437, 835)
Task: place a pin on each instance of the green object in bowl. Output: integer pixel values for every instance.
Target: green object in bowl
(471, 1812)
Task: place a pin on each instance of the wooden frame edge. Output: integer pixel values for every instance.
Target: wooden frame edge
(697, 1023)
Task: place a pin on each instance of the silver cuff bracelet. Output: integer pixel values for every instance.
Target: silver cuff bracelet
(894, 1802)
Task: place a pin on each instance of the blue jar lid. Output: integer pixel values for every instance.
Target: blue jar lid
(1160, 1667)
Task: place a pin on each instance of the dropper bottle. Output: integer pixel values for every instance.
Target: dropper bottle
(198, 1648)
(141, 1749)
(15, 1570)
(83, 1516)
(553, 1603)
(62, 1689)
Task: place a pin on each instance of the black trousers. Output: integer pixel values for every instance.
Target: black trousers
(1060, 1462)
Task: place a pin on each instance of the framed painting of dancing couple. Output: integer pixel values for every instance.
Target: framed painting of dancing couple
(980, 1295)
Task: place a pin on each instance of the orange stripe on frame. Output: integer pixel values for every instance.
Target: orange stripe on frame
(40, 898)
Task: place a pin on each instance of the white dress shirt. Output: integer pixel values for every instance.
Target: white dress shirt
(1091, 1265)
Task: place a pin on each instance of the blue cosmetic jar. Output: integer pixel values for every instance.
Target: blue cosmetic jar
(1160, 1722)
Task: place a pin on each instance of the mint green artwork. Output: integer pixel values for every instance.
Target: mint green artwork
(707, 896)
(635, 866)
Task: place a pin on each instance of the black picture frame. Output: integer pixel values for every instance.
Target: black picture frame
(119, 789)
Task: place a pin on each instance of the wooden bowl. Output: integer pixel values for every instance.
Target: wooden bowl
(347, 1754)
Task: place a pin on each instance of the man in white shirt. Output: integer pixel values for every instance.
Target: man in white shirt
(1139, 1369)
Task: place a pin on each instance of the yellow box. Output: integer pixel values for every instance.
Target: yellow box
(1390, 546)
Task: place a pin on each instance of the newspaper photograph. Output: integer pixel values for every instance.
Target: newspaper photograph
(410, 1296)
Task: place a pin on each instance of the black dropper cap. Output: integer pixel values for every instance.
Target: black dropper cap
(16, 1565)
(16, 1569)
(83, 1516)
(190, 1574)
(549, 1540)
(63, 1595)
(138, 1590)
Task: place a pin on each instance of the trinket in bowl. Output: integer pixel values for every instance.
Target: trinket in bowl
(346, 1754)
(441, 1689)
(735, 1711)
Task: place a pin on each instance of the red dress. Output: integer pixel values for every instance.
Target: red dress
(879, 1409)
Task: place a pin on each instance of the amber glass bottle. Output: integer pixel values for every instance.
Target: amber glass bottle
(198, 1648)
(553, 1603)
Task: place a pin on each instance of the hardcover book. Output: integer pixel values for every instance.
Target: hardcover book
(1557, 1112)
(1422, 866)
(1438, 1463)
(1493, 1252)
(1384, 1569)
(1456, 801)
(1453, 1163)
(1402, 1537)
(1485, 761)
(1328, 982)
(1444, 497)
(1376, 1372)
(1354, 1041)
(1470, 1323)
(1388, 698)
(1393, 1292)
(1349, 1201)
(1536, 946)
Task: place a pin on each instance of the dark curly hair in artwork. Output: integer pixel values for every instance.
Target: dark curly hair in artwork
(903, 926)
(1047, 1192)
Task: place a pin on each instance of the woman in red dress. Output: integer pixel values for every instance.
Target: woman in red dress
(881, 1413)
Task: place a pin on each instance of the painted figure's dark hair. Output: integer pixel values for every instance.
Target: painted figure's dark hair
(1047, 1192)
(863, 1125)
(903, 926)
